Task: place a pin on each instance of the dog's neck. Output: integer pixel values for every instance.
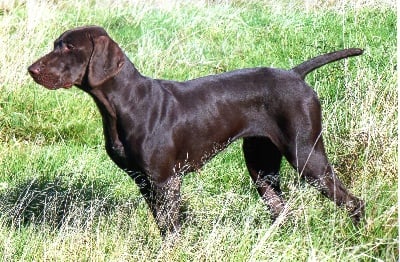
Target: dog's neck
(127, 78)
(108, 98)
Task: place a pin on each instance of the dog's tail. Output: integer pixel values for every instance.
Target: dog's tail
(306, 67)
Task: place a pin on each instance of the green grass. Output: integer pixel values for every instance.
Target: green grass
(61, 198)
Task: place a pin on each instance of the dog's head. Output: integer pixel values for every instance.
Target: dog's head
(81, 56)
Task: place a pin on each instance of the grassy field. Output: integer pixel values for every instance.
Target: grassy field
(62, 199)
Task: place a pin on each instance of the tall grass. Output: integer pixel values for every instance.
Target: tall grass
(61, 198)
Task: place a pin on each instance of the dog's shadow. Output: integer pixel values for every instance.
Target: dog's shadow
(57, 202)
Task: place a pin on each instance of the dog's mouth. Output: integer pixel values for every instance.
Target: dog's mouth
(50, 82)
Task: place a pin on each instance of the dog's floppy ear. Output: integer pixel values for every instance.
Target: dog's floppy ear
(106, 61)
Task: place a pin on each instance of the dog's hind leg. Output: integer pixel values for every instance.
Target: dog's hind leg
(263, 161)
(306, 153)
(312, 164)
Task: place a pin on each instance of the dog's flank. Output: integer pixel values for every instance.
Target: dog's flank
(157, 130)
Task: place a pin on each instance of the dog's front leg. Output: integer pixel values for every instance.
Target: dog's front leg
(164, 201)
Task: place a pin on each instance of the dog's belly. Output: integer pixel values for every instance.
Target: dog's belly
(195, 147)
(192, 158)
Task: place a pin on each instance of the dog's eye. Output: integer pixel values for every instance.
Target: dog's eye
(68, 47)
(61, 45)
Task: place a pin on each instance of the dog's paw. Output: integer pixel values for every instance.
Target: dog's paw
(357, 212)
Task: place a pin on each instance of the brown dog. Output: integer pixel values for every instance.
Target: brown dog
(157, 130)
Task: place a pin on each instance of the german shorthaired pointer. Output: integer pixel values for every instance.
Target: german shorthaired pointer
(157, 130)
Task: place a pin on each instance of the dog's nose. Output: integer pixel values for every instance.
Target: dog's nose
(35, 69)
